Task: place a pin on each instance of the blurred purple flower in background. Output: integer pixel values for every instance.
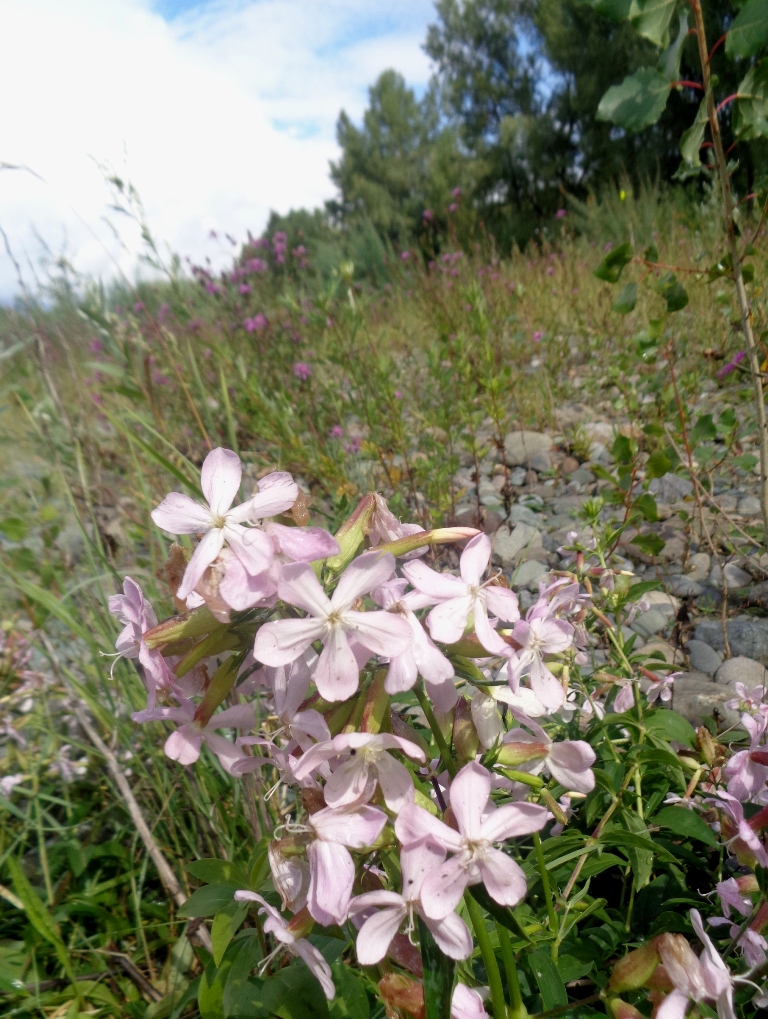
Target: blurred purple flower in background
(561, 214)
(731, 366)
(258, 322)
(537, 336)
(302, 370)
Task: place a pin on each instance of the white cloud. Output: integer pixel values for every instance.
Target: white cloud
(216, 117)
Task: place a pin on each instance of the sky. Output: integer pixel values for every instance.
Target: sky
(215, 111)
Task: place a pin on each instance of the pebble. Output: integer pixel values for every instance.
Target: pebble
(519, 447)
(703, 657)
(521, 542)
(671, 655)
(734, 576)
(569, 465)
(698, 566)
(582, 476)
(670, 488)
(517, 477)
(684, 587)
(528, 575)
(696, 697)
(741, 670)
(750, 506)
(650, 622)
(541, 461)
(747, 636)
(521, 514)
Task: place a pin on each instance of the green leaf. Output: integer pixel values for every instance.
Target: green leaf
(439, 972)
(686, 823)
(749, 31)
(14, 528)
(647, 506)
(637, 591)
(651, 253)
(746, 462)
(692, 139)
(627, 299)
(673, 292)
(637, 102)
(621, 450)
(651, 544)
(750, 120)
(657, 465)
(611, 266)
(294, 993)
(351, 1001)
(551, 986)
(704, 430)
(246, 953)
(613, 10)
(668, 725)
(651, 19)
(224, 927)
(669, 61)
(208, 900)
(218, 872)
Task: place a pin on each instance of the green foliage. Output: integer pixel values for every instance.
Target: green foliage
(637, 102)
(749, 32)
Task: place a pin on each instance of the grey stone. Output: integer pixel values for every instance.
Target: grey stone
(741, 670)
(703, 657)
(750, 506)
(698, 566)
(728, 502)
(696, 697)
(568, 504)
(488, 494)
(747, 636)
(528, 575)
(734, 577)
(662, 601)
(684, 587)
(522, 542)
(671, 655)
(582, 476)
(670, 488)
(650, 622)
(521, 446)
(541, 461)
(520, 514)
(517, 477)
(674, 549)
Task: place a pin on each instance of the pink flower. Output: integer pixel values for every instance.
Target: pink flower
(185, 743)
(137, 616)
(417, 861)
(336, 432)
(220, 480)
(539, 637)
(290, 685)
(366, 759)
(332, 869)
(746, 771)
(706, 978)
(452, 207)
(481, 824)
(569, 762)
(662, 689)
(456, 192)
(731, 897)
(561, 214)
(302, 371)
(467, 1003)
(255, 324)
(460, 598)
(280, 929)
(538, 336)
(333, 621)
(405, 255)
(428, 215)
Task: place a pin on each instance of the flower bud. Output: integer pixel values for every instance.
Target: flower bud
(221, 639)
(301, 924)
(623, 1010)
(290, 876)
(466, 742)
(439, 536)
(352, 532)
(635, 969)
(376, 706)
(546, 797)
(192, 624)
(405, 731)
(223, 681)
(511, 754)
(680, 960)
(707, 745)
(399, 991)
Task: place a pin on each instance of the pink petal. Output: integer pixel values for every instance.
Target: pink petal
(414, 824)
(361, 576)
(417, 861)
(448, 620)
(443, 888)
(283, 640)
(430, 661)
(502, 603)
(469, 794)
(332, 874)
(369, 900)
(437, 586)
(184, 744)
(452, 936)
(313, 758)
(354, 781)
(178, 514)
(545, 686)
(467, 1004)
(208, 548)
(356, 828)
(317, 965)
(383, 633)
(251, 546)
(570, 764)
(299, 586)
(443, 695)
(474, 559)
(375, 936)
(513, 820)
(277, 493)
(487, 636)
(241, 590)
(220, 479)
(337, 675)
(240, 716)
(674, 1006)
(302, 544)
(228, 753)
(402, 673)
(395, 782)
(504, 880)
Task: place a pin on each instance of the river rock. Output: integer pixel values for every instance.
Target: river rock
(521, 542)
(734, 577)
(528, 575)
(521, 446)
(750, 506)
(650, 622)
(741, 670)
(747, 636)
(684, 587)
(670, 488)
(698, 567)
(696, 697)
(703, 657)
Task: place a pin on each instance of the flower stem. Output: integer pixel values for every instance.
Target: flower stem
(517, 1009)
(426, 707)
(553, 925)
(489, 958)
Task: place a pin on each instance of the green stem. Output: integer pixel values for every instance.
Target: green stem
(489, 958)
(426, 707)
(517, 1009)
(553, 925)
